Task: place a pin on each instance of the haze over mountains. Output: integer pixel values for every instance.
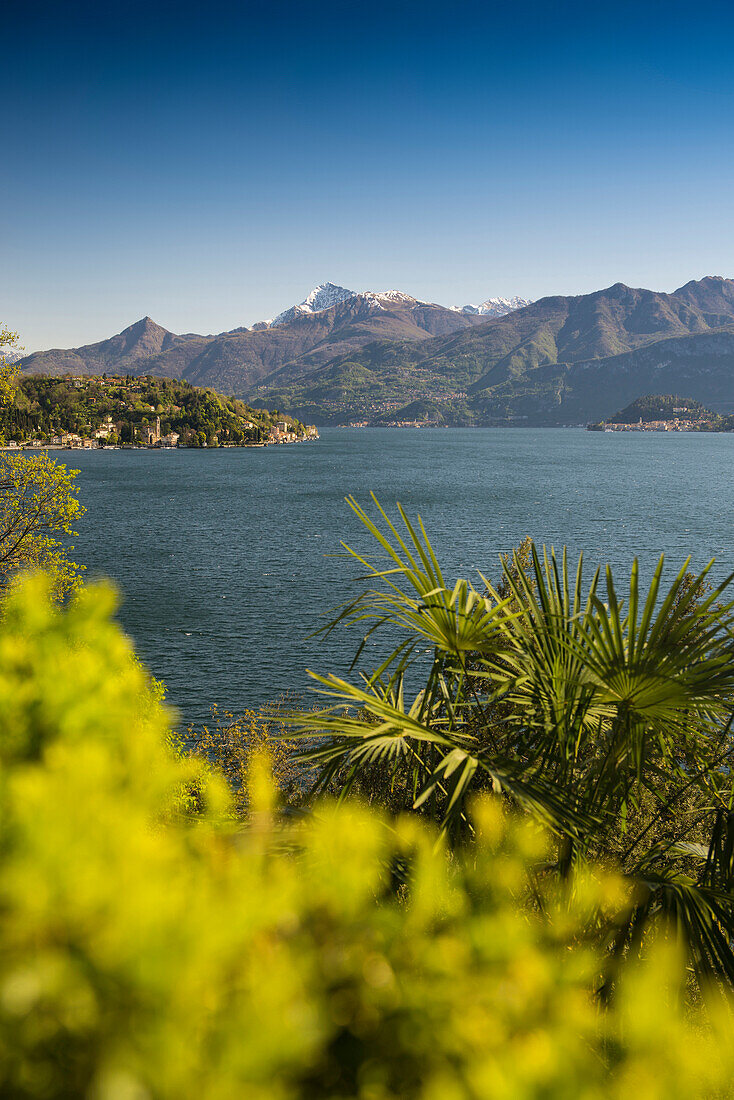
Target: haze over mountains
(383, 357)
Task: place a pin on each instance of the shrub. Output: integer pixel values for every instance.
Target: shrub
(229, 742)
(148, 951)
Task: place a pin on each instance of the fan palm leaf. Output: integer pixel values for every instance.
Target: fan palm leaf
(594, 714)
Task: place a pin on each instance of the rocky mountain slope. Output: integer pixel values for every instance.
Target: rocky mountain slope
(329, 294)
(126, 353)
(321, 297)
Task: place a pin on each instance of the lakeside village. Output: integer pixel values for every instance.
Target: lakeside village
(88, 412)
(665, 413)
(675, 425)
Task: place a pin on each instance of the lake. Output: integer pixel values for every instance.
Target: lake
(226, 559)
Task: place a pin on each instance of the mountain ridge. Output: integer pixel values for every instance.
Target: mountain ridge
(240, 357)
(534, 364)
(375, 354)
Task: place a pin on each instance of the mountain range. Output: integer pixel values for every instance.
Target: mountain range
(330, 322)
(328, 294)
(386, 357)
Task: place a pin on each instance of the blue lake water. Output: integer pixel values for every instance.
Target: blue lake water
(225, 558)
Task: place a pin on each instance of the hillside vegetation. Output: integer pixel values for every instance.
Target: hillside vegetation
(128, 408)
(662, 406)
(237, 361)
(669, 412)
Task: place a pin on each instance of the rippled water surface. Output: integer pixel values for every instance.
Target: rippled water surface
(224, 557)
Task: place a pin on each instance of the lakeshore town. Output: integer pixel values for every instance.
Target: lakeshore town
(666, 412)
(279, 433)
(89, 412)
(674, 425)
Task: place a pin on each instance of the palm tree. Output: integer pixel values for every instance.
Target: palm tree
(607, 719)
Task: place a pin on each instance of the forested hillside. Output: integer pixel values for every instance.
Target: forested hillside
(661, 406)
(128, 410)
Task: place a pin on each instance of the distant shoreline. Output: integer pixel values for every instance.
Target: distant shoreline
(23, 447)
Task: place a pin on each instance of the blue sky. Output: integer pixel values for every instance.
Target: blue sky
(208, 164)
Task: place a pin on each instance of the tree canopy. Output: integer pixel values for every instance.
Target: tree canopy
(8, 370)
(41, 408)
(38, 508)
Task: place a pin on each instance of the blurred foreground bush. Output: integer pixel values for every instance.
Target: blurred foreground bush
(152, 947)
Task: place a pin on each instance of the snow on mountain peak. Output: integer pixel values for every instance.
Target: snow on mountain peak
(392, 296)
(494, 307)
(329, 294)
(11, 355)
(321, 297)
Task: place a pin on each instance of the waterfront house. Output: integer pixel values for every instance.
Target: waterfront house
(106, 429)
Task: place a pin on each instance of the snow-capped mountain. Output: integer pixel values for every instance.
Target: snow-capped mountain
(495, 307)
(11, 355)
(393, 296)
(383, 299)
(321, 297)
(329, 294)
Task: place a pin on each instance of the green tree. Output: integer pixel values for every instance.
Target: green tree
(38, 506)
(8, 370)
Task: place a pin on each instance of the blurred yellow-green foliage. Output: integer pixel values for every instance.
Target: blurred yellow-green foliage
(148, 951)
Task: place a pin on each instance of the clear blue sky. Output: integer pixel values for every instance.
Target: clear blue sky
(208, 164)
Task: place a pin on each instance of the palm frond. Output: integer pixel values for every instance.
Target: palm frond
(597, 715)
